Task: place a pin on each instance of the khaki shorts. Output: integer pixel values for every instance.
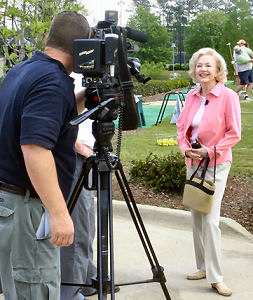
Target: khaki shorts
(29, 266)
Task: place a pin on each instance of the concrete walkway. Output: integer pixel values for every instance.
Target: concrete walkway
(170, 234)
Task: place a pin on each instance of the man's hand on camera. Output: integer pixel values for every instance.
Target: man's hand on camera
(62, 230)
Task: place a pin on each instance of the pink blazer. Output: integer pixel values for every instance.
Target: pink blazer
(220, 125)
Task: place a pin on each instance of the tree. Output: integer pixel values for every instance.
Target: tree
(205, 31)
(157, 49)
(221, 30)
(238, 25)
(25, 24)
(144, 3)
(178, 13)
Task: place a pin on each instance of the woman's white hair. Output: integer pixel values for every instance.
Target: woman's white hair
(221, 64)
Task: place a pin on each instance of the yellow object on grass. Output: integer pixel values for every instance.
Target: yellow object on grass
(166, 142)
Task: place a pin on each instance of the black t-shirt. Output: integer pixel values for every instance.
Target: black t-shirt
(36, 103)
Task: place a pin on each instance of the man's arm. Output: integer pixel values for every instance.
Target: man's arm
(41, 169)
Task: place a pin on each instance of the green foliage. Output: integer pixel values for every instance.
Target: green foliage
(182, 11)
(29, 20)
(238, 25)
(221, 29)
(165, 174)
(205, 31)
(159, 86)
(157, 48)
(185, 67)
(144, 3)
(177, 67)
(152, 69)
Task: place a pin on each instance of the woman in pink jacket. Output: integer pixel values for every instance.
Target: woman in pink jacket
(211, 118)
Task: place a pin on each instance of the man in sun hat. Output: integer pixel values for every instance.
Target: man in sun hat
(243, 58)
(241, 43)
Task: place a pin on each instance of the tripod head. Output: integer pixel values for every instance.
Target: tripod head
(103, 129)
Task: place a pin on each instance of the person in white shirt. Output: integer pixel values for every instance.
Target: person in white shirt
(77, 260)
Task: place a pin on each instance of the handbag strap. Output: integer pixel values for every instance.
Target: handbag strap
(195, 172)
(203, 174)
(214, 170)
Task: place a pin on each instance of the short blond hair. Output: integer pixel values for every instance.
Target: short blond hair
(221, 64)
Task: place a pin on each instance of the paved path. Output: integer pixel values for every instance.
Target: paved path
(171, 237)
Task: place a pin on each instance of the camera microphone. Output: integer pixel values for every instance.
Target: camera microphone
(136, 35)
(207, 101)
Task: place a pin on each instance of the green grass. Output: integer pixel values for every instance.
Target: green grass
(243, 151)
(138, 145)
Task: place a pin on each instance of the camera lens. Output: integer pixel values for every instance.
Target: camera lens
(196, 145)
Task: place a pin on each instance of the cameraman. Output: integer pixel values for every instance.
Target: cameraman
(37, 163)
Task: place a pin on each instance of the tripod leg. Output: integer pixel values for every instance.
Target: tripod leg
(104, 209)
(111, 238)
(158, 274)
(99, 242)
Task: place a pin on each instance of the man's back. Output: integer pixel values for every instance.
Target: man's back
(36, 103)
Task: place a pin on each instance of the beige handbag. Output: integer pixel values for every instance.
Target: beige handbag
(198, 192)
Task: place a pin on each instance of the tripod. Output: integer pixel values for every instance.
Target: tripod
(102, 164)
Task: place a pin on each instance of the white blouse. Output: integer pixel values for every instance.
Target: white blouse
(196, 120)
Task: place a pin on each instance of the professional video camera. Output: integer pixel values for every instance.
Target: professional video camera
(107, 71)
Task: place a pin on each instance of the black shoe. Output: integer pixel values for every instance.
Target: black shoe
(246, 97)
(87, 291)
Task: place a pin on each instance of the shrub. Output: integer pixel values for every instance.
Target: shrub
(159, 86)
(177, 67)
(185, 67)
(152, 69)
(165, 174)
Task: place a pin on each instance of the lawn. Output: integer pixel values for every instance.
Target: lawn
(138, 144)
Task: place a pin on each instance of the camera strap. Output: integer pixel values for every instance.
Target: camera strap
(130, 116)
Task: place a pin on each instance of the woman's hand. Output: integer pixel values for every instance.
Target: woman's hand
(196, 154)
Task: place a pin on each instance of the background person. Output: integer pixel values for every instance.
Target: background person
(37, 163)
(77, 260)
(243, 58)
(211, 116)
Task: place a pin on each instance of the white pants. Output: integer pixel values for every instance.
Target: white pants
(206, 231)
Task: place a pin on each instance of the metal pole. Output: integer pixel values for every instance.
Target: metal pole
(173, 56)
(173, 60)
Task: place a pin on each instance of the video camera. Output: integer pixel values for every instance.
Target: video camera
(107, 70)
